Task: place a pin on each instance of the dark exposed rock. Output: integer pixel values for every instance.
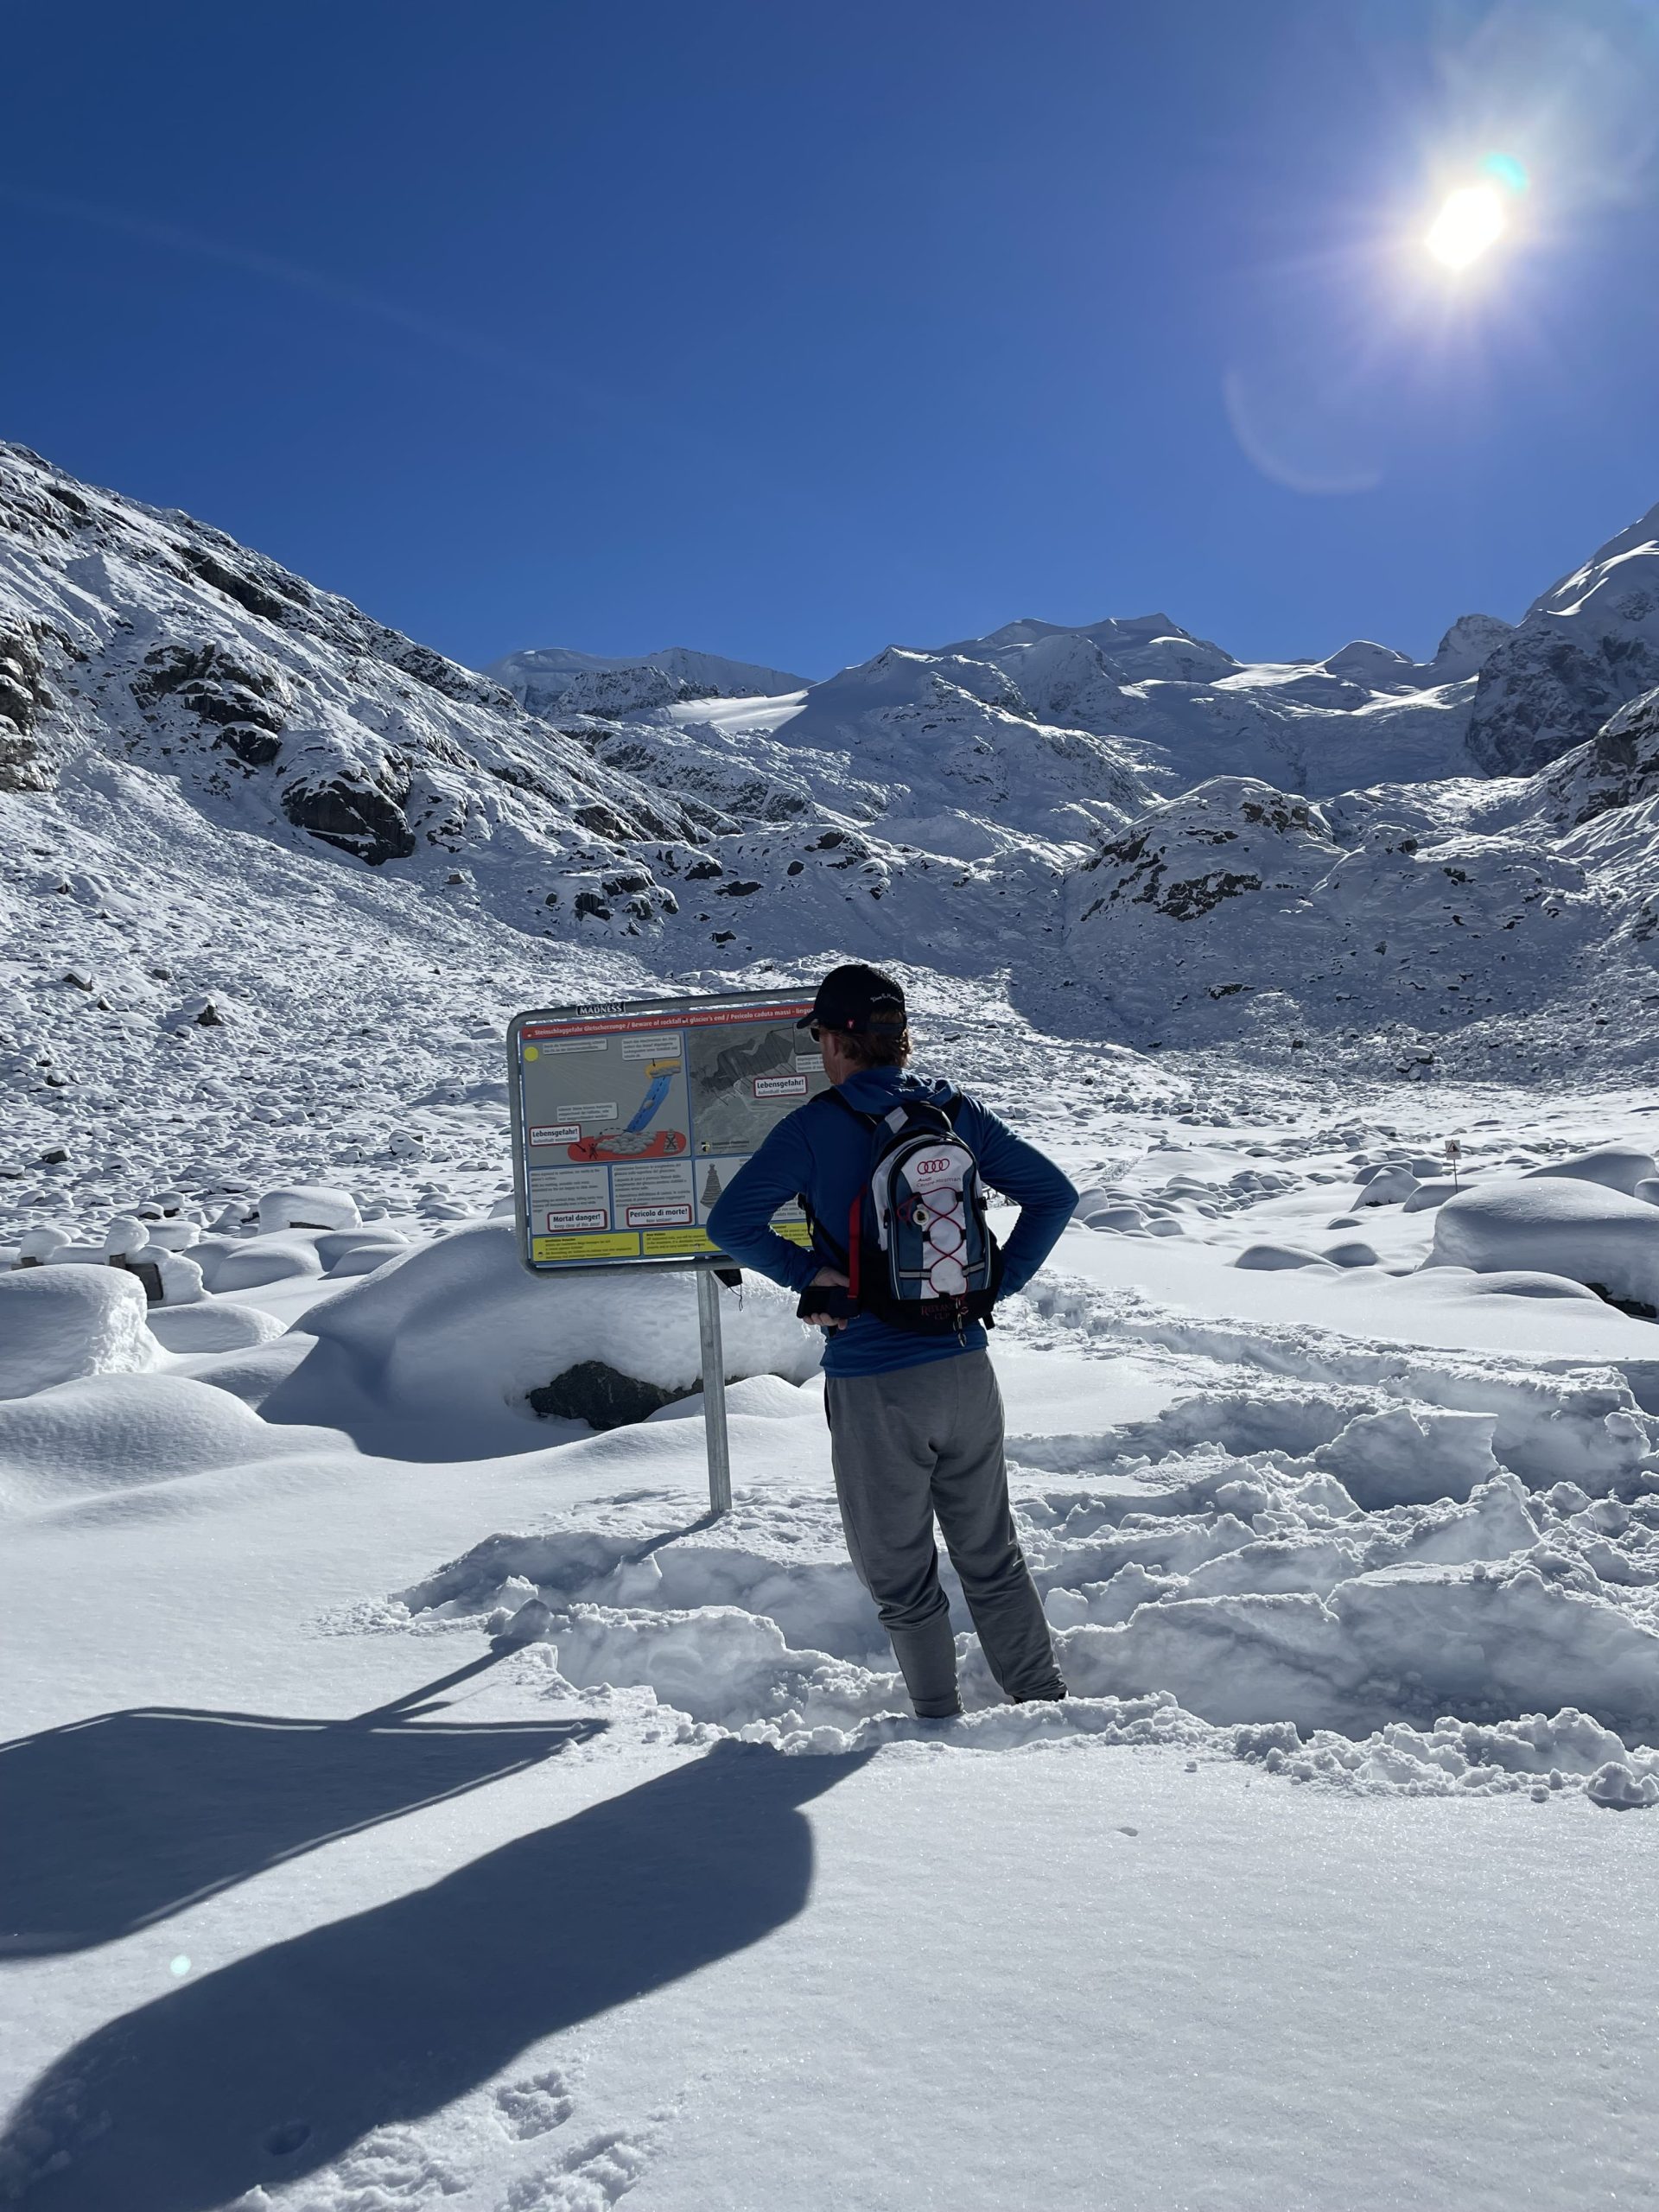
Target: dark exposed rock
(357, 816)
(606, 821)
(23, 696)
(1184, 902)
(254, 746)
(212, 684)
(603, 1396)
(1618, 768)
(254, 594)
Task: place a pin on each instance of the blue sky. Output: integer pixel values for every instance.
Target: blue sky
(791, 331)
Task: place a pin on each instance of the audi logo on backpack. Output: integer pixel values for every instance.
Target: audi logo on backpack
(920, 1255)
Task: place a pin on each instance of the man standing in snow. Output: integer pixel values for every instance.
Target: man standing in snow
(915, 1421)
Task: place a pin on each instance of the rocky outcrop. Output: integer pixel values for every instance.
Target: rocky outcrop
(361, 816)
(24, 697)
(1618, 768)
(143, 639)
(1585, 648)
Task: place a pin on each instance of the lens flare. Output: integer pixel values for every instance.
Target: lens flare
(1504, 169)
(1470, 220)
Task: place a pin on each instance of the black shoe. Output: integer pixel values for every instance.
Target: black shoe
(1045, 1697)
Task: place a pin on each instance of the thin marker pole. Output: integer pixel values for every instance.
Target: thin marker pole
(714, 1393)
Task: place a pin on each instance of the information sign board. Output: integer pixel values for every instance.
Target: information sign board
(630, 1117)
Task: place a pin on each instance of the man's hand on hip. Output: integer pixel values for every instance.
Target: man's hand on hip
(831, 1277)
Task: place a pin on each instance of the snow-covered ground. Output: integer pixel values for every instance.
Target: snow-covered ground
(1333, 1882)
(1335, 1451)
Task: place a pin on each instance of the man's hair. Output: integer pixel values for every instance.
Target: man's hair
(875, 1049)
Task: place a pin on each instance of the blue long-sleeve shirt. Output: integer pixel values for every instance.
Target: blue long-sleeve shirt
(822, 1151)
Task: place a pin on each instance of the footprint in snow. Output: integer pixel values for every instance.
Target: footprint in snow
(535, 2106)
(589, 2179)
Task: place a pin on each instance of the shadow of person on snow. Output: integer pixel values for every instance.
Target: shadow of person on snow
(115, 1822)
(274, 2066)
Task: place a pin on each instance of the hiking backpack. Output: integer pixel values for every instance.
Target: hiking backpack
(919, 1253)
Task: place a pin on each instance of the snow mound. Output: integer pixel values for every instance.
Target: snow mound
(1523, 1282)
(258, 1260)
(442, 1348)
(125, 1432)
(59, 1323)
(356, 1251)
(1269, 1257)
(1616, 1167)
(213, 1325)
(1558, 1226)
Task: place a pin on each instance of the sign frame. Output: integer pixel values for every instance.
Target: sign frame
(607, 1017)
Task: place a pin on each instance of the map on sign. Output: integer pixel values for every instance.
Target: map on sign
(629, 1120)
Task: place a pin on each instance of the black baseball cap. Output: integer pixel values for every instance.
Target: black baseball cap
(859, 999)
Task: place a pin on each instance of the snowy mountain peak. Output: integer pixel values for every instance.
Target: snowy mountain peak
(1470, 642)
(555, 679)
(1583, 649)
(162, 687)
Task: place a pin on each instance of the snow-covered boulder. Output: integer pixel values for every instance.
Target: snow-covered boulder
(359, 1251)
(1427, 1196)
(445, 1352)
(1353, 1254)
(1521, 1282)
(57, 1324)
(182, 1277)
(261, 1260)
(211, 1324)
(307, 1205)
(174, 1236)
(1390, 1186)
(364, 1259)
(1616, 1167)
(1269, 1257)
(1554, 1225)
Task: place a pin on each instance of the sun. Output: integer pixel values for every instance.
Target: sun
(1470, 220)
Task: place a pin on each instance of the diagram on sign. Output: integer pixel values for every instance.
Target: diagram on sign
(638, 1141)
(742, 1087)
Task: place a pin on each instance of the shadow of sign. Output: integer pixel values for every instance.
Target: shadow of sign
(274, 2065)
(113, 1823)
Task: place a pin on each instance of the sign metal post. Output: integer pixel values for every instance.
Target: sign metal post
(714, 1393)
(629, 1119)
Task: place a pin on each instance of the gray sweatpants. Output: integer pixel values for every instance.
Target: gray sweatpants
(906, 1445)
